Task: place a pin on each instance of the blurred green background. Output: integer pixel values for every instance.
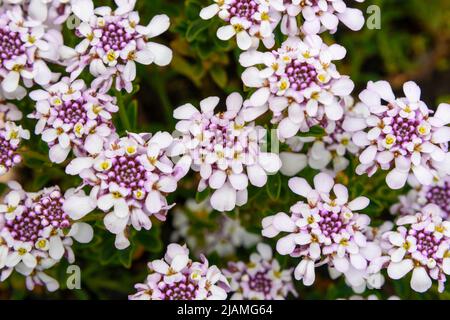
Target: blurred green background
(412, 44)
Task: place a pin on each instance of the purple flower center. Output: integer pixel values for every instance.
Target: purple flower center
(73, 112)
(8, 155)
(260, 282)
(405, 131)
(427, 244)
(115, 37)
(301, 75)
(128, 173)
(46, 210)
(11, 46)
(440, 196)
(331, 223)
(244, 9)
(185, 289)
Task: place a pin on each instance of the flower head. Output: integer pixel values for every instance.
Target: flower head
(298, 83)
(324, 229)
(74, 117)
(113, 41)
(36, 233)
(261, 278)
(420, 244)
(401, 136)
(130, 177)
(249, 20)
(225, 149)
(176, 277)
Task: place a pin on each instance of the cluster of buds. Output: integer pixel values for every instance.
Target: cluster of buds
(36, 232)
(261, 278)
(176, 277)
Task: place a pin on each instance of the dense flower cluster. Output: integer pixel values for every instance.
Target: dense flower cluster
(261, 278)
(323, 230)
(73, 117)
(130, 179)
(298, 83)
(402, 136)
(36, 233)
(225, 149)
(25, 48)
(113, 41)
(176, 277)
(420, 244)
(438, 193)
(227, 236)
(11, 136)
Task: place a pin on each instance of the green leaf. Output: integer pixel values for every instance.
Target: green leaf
(219, 76)
(195, 29)
(150, 240)
(273, 187)
(315, 131)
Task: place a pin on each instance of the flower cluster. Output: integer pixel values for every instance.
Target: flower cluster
(323, 230)
(319, 16)
(225, 149)
(11, 135)
(401, 135)
(25, 48)
(130, 179)
(36, 233)
(254, 20)
(113, 41)
(227, 236)
(438, 193)
(298, 83)
(249, 20)
(73, 117)
(420, 244)
(261, 278)
(176, 277)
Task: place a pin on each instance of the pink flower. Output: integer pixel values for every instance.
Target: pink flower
(113, 41)
(36, 233)
(323, 230)
(249, 20)
(261, 278)
(176, 277)
(225, 149)
(74, 117)
(401, 135)
(319, 16)
(130, 179)
(25, 47)
(420, 244)
(298, 83)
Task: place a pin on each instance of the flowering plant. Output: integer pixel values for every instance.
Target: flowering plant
(241, 149)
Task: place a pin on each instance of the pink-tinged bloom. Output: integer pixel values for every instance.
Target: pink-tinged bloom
(130, 177)
(324, 229)
(330, 151)
(36, 233)
(420, 244)
(225, 149)
(11, 136)
(319, 16)
(299, 83)
(438, 193)
(74, 117)
(223, 236)
(25, 46)
(176, 277)
(401, 135)
(113, 41)
(248, 20)
(261, 278)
